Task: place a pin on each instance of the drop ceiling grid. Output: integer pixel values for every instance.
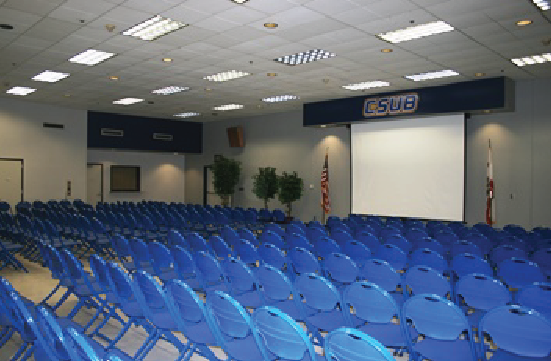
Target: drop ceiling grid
(224, 36)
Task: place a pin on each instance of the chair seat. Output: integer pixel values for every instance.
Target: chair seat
(388, 334)
(163, 320)
(458, 350)
(244, 349)
(169, 275)
(200, 333)
(289, 307)
(249, 299)
(501, 355)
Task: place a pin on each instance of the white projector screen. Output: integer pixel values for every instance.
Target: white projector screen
(411, 167)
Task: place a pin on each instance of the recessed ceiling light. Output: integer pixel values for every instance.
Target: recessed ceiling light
(542, 4)
(227, 75)
(271, 25)
(533, 59)
(487, 111)
(239, 1)
(113, 77)
(228, 107)
(305, 57)
(91, 57)
(386, 50)
(366, 85)
(187, 115)
(432, 75)
(67, 95)
(20, 90)
(280, 98)
(323, 126)
(167, 60)
(154, 28)
(524, 22)
(6, 26)
(416, 32)
(127, 101)
(50, 76)
(271, 74)
(479, 74)
(170, 90)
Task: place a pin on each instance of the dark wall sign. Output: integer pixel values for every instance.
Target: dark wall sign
(472, 96)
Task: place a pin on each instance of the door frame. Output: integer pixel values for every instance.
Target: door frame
(205, 185)
(22, 161)
(101, 165)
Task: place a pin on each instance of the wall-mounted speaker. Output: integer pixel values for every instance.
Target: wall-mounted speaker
(235, 137)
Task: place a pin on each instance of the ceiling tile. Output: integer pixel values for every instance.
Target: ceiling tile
(37, 7)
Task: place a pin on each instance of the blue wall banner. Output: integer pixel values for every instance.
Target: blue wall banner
(494, 94)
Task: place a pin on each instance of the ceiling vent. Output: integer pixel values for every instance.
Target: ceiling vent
(53, 125)
(108, 132)
(163, 137)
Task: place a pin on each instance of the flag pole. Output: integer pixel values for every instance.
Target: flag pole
(322, 203)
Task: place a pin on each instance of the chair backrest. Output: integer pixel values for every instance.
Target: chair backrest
(198, 243)
(439, 320)
(210, 270)
(273, 238)
(298, 240)
(415, 235)
(466, 263)
(183, 263)
(151, 297)
(341, 269)
(369, 240)
(276, 286)
(283, 337)
(176, 239)
(506, 251)
(357, 251)
(543, 258)
(431, 244)
(400, 242)
(518, 272)
(78, 346)
(388, 230)
(140, 252)
(324, 246)
(76, 272)
(348, 344)
(236, 327)
(272, 255)
(393, 255)
(99, 267)
(430, 258)
(121, 285)
(295, 228)
(464, 246)
(229, 235)
(220, 247)
(446, 237)
(370, 303)
(314, 233)
(247, 252)
(425, 280)
(538, 297)
(245, 233)
(482, 292)
(161, 258)
(18, 315)
(304, 261)
(243, 282)
(272, 227)
(382, 274)
(340, 235)
(122, 248)
(517, 330)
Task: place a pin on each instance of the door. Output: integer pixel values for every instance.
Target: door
(209, 195)
(94, 183)
(11, 181)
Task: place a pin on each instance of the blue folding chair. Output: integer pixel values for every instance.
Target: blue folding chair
(140, 255)
(273, 238)
(415, 235)
(425, 280)
(476, 294)
(322, 305)
(369, 240)
(162, 262)
(518, 273)
(298, 240)
(303, 261)
(283, 338)
(383, 275)
(340, 235)
(211, 272)
(279, 291)
(447, 333)
(230, 236)
(193, 320)
(374, 311)
(394, 255)
(176, 239)
(244, 286)
(348, 344)
(341, 270)
(466, 263)
(82, 348)
(245, 233)
(154, 304)
(324, 246)
(198, 243)
(431, 244)
(537, 296)
(248, 253)
(273, 256)
(506, 251)
(429, 258)
(240, 339)
(123, 251)
(185, 267)
(517, 333)
(357, 251)
(399, 241)
(464, 246)
(222, 250)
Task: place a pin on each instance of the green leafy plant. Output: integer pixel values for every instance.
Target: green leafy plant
(290, 190)
(225, 173)
(265, 184)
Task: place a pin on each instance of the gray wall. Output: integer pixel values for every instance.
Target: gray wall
(279, 141)
(521, 143)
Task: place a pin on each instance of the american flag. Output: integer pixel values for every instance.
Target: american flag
(325, 203)
(490, 209)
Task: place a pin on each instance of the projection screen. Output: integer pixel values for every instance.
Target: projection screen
(411, 167)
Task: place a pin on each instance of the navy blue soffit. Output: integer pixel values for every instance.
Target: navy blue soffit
(470, 96)
(187, 137)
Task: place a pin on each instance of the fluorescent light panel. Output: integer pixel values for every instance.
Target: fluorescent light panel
(542, 4)
(50, 76)
(187, 115)
(432, 75)
(154, 28)
(170, 90)
(91, 57)
(228, 107)
(280, 98)
(127, 101)
(20, 90)
(416, 32)
(533, 59)
(305, 57)
(226, 75)
(366, 85)
(239, 1)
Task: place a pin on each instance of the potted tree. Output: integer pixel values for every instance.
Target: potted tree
(225, 173)
(265, 184)
(290, 190)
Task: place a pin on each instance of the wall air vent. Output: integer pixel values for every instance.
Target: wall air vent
(53, 125)
(109, 132)
(163, 137)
